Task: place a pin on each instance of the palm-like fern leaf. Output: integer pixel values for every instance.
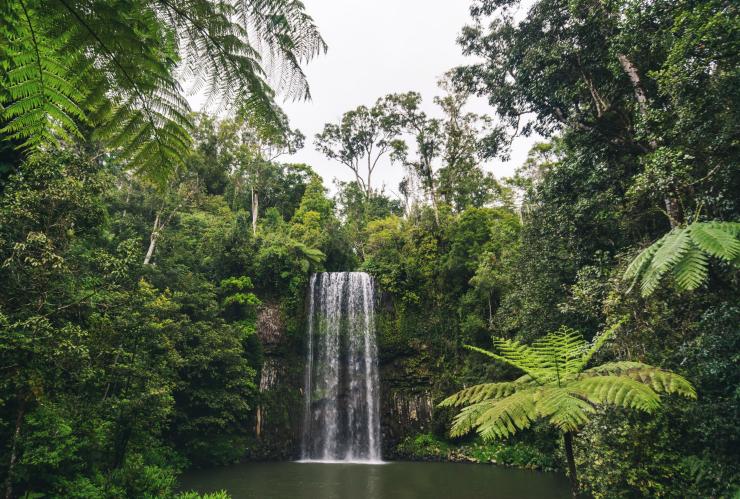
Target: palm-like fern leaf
(557, 387)
(562, 409)
(41, 97)
(717, 239)
(515, 354)
(467, 418)
(616, 390)
(116, 66)
(560, 352)
(485, 391)
(641, 262)
(691, 270)
(505, 417)
(675, 245)
(599, 340)
(659, 380)
(684, 253)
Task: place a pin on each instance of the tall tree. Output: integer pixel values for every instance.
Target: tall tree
(616, 73)
(361, 139)
(429, 138)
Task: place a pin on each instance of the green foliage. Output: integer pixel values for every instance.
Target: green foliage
(221, 494)
(61, 70)
(684, 252)
(557, 387)
(123, 374)
(427, 447)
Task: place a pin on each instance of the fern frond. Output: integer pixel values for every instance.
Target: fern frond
(719, 239)
(675, 245)
(41, 97)
(657, 379)
(560, 352)
(684, 253)
(506, 416)
(485, 391)
(691, 270)
(515, 354)
(596, 345)
(642, 261)
(562, 409)
(115, 66)
(616, 390)
(465, 420)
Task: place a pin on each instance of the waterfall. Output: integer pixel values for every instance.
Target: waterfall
(341, 415)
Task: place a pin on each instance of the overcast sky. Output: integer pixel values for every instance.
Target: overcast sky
(376, 48)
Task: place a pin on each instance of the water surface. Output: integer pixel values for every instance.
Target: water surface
(393, 480)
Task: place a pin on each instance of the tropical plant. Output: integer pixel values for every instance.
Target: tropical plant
(684, 253)
(557, 387)
(68, 65)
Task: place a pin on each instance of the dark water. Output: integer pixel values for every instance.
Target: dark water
(395, 480)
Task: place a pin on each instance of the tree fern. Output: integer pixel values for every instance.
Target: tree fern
(40, 99)
(116, 66)
(558, 388)
(684, 254)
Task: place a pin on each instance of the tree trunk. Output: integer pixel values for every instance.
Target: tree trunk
(14, 448)
(634, 76)
(255, 210)
(152, 241)
(258, 423)
(568, 440)
(434, 205)
(671, 205)
(490, 311)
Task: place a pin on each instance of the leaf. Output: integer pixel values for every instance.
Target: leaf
(719, 239)
(642, 261)
(674, 246)
(691, 271)
(560, 352)
(506, 416)
(659, 380)
(564, 411)
(513, 353)
(41, 94)
(485, 391)
(596, 345)
(616, 390)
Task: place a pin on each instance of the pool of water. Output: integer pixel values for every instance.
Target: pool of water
(392, 480)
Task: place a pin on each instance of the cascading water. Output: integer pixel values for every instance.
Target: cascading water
(341, 416)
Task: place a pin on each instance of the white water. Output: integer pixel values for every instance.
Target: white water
(341, 420)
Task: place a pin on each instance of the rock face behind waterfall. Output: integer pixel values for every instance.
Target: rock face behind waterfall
(341, 389)
(406, 390)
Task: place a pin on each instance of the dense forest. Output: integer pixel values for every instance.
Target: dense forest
(154, 260)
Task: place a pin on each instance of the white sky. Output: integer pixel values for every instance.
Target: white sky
(375, 48)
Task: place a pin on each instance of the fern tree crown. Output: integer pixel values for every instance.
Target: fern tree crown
(558, 387)
(684, 254)
(115, 66)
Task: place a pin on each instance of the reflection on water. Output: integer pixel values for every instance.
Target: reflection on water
(393, 480)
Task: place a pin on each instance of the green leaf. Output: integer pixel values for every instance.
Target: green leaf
(506, 416)
(485, 391)
(719, 239)
(691, 271)
(616, 390)
(675, 245)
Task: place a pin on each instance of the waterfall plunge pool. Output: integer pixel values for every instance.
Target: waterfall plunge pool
(340, 445)
(389, 480)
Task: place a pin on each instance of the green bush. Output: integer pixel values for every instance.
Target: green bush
(427, 447)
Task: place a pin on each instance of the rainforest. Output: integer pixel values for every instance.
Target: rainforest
(522, 283)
